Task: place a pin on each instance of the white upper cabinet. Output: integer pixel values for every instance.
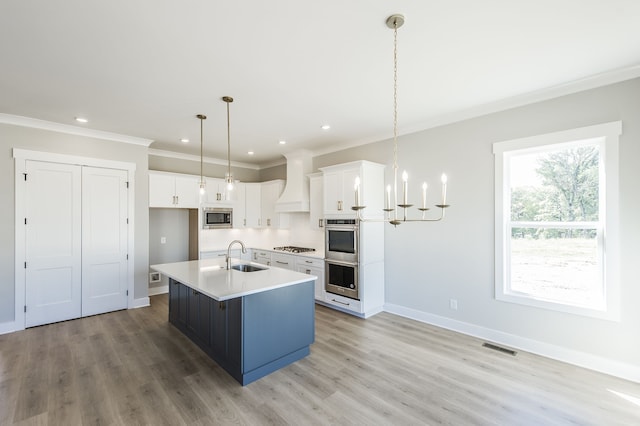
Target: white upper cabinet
(239, 206)
(270, 192)
(339, 192)
(217, 192)
(173, 190)
(316, 204)
(246, 210)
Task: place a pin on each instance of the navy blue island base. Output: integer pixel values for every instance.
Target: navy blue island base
(249, 336)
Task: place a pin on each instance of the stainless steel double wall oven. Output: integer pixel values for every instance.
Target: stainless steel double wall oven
(341, 257)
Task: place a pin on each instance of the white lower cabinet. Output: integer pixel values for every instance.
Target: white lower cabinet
(285, 261)
(261, 256)
(221, 254)
(312, 266)
(343, 302)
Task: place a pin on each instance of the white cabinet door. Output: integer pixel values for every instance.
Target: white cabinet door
(261, 256)
(313, 267)
(270, 193)
(170, 190)
(339, 191)
(218, 193)
(53, 243)
(162, 190)
(332, 193)
(316, 205)
(253, 213)
(104, 240)
(187, 192)
(239, 206)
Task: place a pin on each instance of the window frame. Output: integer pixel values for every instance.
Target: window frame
(608, 231)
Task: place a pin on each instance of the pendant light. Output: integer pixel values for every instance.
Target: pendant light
(228, 177)
(201, 117)
(394, 22)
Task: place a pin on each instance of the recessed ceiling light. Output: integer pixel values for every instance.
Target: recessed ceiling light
(282, 142)
(184, 140)
(250, 152)
(81, 120)
(325, 127)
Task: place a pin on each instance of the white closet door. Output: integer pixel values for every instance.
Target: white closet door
(104, 240)
(53, 243)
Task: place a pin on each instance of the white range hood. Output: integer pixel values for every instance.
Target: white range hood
(295, 197)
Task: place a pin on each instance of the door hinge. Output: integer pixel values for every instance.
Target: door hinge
(25, 265)
(127, 182)
(25, 308)
(127, 292)
(127, 221)
(25, 220)
(127, 256)
(25, 176)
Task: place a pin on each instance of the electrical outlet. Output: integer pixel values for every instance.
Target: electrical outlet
(154, 277)
(453, 304)
(163, 240)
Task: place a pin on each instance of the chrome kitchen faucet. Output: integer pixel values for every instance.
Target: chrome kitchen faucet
(228, 257)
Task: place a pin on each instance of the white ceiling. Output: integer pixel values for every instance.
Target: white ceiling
(145, 68)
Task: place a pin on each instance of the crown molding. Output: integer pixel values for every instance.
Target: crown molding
(35, 123)
(208, 160)
(587, 83)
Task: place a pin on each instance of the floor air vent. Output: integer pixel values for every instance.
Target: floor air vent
(499, 349)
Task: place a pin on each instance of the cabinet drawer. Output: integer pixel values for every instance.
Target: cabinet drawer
(343, 302)
(285, 261)
(310, 262)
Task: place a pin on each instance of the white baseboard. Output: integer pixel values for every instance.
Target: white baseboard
(140, 303)
(581, 359)
(162, 289)
(10, 327)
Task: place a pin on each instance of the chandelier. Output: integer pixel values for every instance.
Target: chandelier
(394, 22)
(228, 177)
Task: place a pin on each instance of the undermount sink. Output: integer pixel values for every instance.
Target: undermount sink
(243, 267)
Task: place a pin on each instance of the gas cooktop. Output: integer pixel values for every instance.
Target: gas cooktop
(294, 249)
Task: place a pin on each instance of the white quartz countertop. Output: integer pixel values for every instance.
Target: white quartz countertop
(318, 254)
(209, 276)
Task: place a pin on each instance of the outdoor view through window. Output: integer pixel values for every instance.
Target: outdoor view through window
(554, 224)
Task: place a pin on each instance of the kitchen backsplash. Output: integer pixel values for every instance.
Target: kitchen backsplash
(299, 234)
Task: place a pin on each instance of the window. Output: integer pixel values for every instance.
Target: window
(556, 221)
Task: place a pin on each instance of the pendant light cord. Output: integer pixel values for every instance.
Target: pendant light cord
(201, 153)
(395, 119)
(228, 145)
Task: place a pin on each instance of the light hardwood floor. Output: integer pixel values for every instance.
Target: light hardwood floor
(133, 367)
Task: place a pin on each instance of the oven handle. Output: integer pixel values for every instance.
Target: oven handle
(341, 262)
(342, 303)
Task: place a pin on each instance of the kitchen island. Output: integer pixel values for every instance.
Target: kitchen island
(250, 323)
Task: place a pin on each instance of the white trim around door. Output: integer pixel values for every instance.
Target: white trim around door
(20, 157)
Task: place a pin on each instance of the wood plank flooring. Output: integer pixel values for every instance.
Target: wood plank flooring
(133, 367)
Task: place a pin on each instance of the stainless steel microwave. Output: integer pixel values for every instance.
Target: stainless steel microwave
(217, 217)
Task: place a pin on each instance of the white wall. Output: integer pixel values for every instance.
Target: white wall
(173, 225)
(426, 265)
(12, 136)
